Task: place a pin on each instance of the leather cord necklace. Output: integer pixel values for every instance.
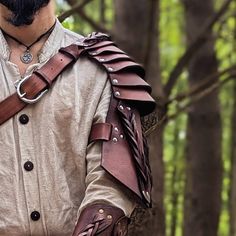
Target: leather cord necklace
(27, 56)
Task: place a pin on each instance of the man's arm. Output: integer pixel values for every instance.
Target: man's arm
(107, 203)
(118, 170)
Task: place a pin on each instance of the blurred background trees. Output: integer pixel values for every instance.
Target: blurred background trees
(188, 48)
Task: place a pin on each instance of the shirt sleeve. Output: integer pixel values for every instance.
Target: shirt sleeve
(101, 187)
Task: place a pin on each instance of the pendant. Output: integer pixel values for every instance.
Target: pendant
(27, 57)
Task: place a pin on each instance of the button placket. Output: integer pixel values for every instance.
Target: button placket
(29, 171)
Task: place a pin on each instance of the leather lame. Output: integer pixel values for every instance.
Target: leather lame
(124, 150)
(101, 220)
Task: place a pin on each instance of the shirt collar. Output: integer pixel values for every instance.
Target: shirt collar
(53, 43)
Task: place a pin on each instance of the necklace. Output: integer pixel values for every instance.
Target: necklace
(27, 56)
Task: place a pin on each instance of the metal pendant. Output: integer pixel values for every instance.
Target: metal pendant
(27, 57)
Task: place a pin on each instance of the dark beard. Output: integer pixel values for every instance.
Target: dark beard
(23, 11)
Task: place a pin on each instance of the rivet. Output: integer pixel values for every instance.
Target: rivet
(116, 129)
(115, 140)
(121, 136)
(128, 108)
(110, 69)
(117, 93)
(147, 196)
(101, 211)
(109, 217)
(93, 53)
(115, 81)
(121, 107)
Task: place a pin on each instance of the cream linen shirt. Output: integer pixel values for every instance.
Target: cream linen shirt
(67, 175)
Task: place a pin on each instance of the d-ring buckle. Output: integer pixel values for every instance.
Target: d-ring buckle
(22, 95)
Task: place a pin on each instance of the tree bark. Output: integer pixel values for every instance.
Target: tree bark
(232, 195)
(102, 12)
(136, 31)
(175, 181)
(203, 149)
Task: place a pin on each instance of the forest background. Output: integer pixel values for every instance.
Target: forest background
(188, 50)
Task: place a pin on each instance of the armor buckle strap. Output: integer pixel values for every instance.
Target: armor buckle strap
(22, 95)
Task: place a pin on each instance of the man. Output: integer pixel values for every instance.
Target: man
(52, 181)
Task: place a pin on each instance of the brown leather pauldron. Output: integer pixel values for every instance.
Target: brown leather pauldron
(124, 152)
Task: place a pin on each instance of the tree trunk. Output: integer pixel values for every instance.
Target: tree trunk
(203, 150)
(175, 181)
(102, 12)
(136, 31)
(232, 196)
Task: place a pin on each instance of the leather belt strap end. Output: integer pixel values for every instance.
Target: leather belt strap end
(100, 131)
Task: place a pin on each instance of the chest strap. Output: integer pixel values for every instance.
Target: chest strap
(31, 88)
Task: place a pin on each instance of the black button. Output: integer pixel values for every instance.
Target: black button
(29, 166)
(35, 215)
(24, 119)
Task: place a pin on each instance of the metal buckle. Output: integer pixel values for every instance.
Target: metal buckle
(22, 95)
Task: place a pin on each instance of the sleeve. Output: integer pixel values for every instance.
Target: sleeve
(101, 187)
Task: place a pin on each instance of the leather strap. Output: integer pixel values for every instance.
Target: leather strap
(40, 80)
(100, 131)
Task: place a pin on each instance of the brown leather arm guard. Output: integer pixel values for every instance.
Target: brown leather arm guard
(124, 150)
(102, 220)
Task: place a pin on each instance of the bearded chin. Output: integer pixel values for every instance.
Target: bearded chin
(23, 11)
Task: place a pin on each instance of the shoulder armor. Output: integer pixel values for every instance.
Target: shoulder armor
(124, 152)
(126, 76)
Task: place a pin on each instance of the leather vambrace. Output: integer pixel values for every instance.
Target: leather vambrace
(102, 220)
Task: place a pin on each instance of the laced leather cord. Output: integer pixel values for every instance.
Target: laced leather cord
(140, 155)
(103, 220)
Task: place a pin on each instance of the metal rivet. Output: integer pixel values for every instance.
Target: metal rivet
(93, 53)
(109, 217)
(121, 107)
(121, 136)
(147, 196)
(101, 59)
(101, 211)
(116, 129)
(115, 140)
(115, 81)
(110, 69)
(128, 108)
(117, 93)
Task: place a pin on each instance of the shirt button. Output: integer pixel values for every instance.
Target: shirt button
(29, 166)
(35, 215)
(24, 119)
